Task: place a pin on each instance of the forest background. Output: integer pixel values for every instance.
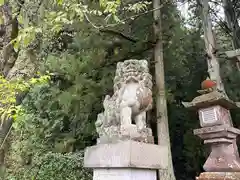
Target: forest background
(57, 63)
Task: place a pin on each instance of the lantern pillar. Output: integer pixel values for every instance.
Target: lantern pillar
(217, 131)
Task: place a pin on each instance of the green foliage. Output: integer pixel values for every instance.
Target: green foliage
(48, 124)
(185, 69)
(25, 37)
(138, 7)
(52, 166)
(80, 44)
(2, 2)
(110, 6)
(59, 116)
(9, 89)
(55, 15)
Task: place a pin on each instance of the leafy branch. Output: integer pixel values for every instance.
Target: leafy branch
(126, 19)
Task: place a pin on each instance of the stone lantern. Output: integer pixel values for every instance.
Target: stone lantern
(218, 132)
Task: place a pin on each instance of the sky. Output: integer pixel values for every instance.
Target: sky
(183, 7)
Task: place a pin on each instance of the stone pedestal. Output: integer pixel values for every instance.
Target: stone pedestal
(224, 154)
(126, 160)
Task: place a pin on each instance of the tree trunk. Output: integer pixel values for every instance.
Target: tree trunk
(210, 45)
(231, 18)
(12, 65)
(161, 103)
(7, 59)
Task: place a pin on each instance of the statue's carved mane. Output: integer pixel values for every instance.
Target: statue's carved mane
(136, 70)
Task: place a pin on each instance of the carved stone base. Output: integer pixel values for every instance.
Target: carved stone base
(219, 176)
(224, 155)
(223, 158)
(126, 133)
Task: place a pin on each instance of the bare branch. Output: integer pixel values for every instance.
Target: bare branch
(5, 138)
(131, 39)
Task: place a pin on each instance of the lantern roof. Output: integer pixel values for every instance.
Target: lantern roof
(211, 99)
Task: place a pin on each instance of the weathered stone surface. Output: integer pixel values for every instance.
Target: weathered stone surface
(219, 176)
(127, 133)
(224, 155)
(125, 154)
(210, 99)
(134, 135)
(131, 99)
(124, 174)
(217, 132)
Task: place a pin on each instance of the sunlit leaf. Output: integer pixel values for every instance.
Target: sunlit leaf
(60, 2)
(2, 2)
(16, 44)
(116, 18)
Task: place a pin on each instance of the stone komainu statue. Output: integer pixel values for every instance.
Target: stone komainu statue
(125, 112)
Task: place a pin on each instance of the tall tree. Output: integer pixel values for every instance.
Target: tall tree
(161, 102)
(210, 45)
(232, 27)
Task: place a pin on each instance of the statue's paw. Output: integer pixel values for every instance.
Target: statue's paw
(142, 130)
(128, 130)
(145, 131)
